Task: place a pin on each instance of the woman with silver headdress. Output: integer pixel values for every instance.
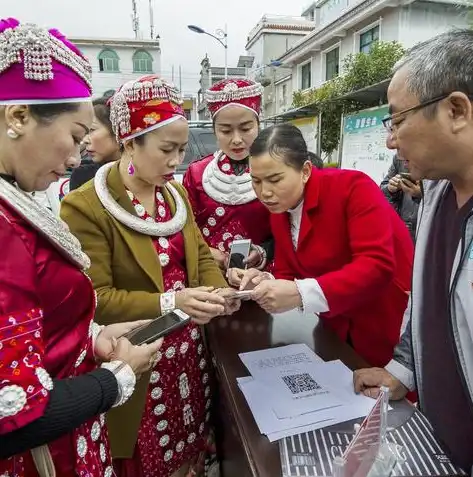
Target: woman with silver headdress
(52, 393)
(149, 258)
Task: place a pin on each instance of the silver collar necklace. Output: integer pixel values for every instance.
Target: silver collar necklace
(227, 189)
(45, 222)
(156, 229)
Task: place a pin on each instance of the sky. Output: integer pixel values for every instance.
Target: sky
(179, 46)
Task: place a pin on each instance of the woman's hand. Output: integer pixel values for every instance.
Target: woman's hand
(232, 305)
(220, 257)
(106, 339)
(200, 303)
(247, 279)
(140, 358)
(277, 296)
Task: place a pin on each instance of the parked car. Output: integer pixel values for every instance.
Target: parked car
(202, 142)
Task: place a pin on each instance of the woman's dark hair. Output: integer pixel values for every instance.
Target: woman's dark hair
(282, 141)
(46, 113)
(316, 160)
(102, 113)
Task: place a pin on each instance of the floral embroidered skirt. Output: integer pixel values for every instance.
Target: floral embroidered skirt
(174, 430)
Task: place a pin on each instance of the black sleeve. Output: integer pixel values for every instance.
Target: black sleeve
(268, 246)
(71, 403)
(393, 171)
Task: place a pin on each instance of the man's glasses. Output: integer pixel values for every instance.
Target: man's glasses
(388, 120)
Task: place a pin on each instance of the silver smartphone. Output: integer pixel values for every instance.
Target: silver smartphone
(240, 295)
(159, 327)
(239, 251)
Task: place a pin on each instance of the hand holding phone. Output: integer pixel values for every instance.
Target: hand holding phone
(239, 295)
(239, 251)
(407, 179)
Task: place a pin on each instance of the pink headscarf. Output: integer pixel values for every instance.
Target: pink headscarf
(40, 66)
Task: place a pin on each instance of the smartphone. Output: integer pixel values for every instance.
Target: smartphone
(240, 294)
(239, 251)
(159, 327)
(407, 177)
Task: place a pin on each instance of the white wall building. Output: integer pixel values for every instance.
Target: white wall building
(351, 26)
(116, 61)
(210, 75)
(272, 36)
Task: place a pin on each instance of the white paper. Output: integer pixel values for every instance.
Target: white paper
(336, 374)
(260, 362)
(300, 389)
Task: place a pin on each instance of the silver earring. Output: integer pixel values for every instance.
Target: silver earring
(12, 134)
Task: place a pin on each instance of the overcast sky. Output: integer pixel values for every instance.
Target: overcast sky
(112, 18)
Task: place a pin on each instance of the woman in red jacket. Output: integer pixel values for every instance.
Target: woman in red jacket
(341, 251)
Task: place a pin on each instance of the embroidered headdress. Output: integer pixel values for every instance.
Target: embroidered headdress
(40, 66)
(241, 92)
(143, 105)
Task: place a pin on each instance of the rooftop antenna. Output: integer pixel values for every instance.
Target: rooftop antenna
(151, 19)
(135, 21)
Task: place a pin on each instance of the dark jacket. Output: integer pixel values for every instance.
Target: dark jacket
(405, 205)
(84, 173)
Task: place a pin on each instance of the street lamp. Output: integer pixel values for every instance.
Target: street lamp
(220, 35)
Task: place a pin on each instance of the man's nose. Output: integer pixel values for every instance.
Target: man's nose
(390, 141)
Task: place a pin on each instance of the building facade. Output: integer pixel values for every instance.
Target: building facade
(351, 26)
(190, 107)
(116, 61)
(210, 75)
(272, 36)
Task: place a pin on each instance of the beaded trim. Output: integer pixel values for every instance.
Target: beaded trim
(39, 48)
(231, 92)
(45, 222)
(155, 229)
(134, 91)
(227, 189)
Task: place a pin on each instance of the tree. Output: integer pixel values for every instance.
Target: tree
(359, 71)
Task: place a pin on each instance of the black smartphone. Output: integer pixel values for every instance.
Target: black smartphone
(239, 251)
(407, 177)
(159, 327)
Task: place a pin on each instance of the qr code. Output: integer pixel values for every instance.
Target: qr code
(301, 383)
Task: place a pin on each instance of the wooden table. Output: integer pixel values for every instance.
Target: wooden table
(244, 452)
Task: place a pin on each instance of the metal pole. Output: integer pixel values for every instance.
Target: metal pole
(180, 79)
(226, 52)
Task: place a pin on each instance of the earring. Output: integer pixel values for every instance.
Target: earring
(131, 168)
(12, 134)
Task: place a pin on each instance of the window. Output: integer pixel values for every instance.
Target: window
(306, 79)
(368, 38)
(284, 94)
(208, 141)
(108, 61)
(142, 62)
(332, 63)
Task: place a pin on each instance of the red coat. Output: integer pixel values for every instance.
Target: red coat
(359, 250)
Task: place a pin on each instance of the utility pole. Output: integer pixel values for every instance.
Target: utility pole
(135, 21)
(151, 19)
